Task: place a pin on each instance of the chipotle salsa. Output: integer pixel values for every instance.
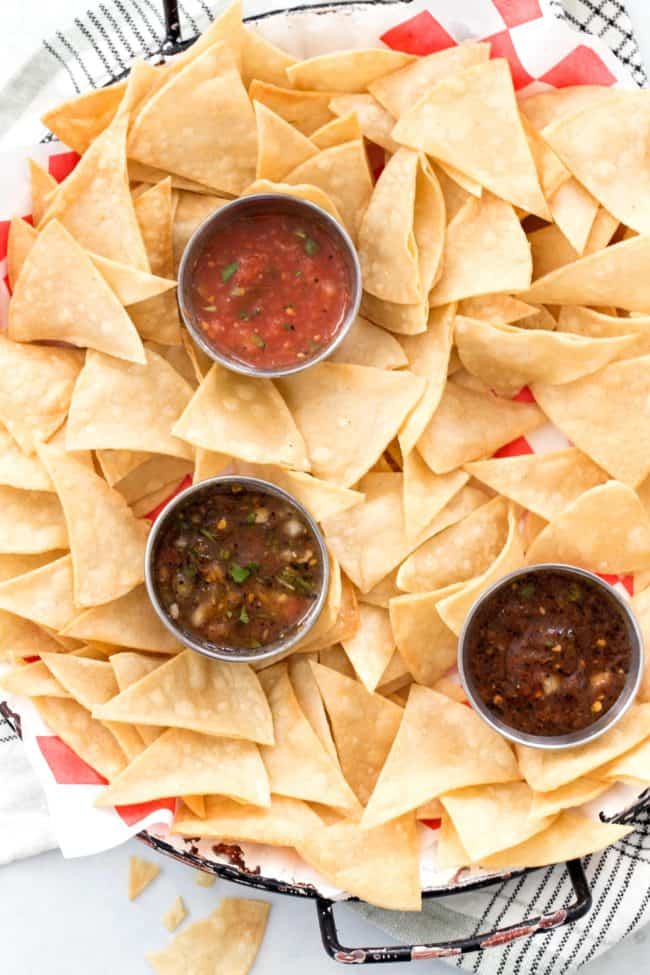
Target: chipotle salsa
(239, 569)
(549, 653)
(270, 289)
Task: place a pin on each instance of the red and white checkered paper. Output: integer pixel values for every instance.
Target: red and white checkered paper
(543, 53)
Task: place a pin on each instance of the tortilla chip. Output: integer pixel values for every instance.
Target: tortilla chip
(612, 276)
(153, 474)
(280, 147)
(606, 435)
(567, 796)
(30, 522)
(129, 668)
(94, 203)
(229, 938)
(425, 494)
(368, 345)
(401, 89)
(548, 770)
(342, 129)
(486, 250)
(218, 121)
(506, 358)
(309, 698)
(80, 120)
(298, 765)
(633, 766)
(34, 680)
(128, 622)
(306, 110)
(550, 250)
(88, 681)
(175, 915)
(91, 741)
(302, 191)
(348, 71)
(477, 148)
(543, 483)
(381, 864)
(17, 565)
(401, 319)
(568, 838)
(246, 417)
(602, 230)
(551, 172)
(21, 638)
(584, 533)
(375, 123)
(365, 406)
(499, 309)
(283, 823)
(203, 879)
(587, 321)
(191, 211)
(181, 762)
(43, 595)
(158, 317)
(198, 694)
(141, 873)
(352, 710)
(574, 211)
(428, 646)
(263, 60)
(494, 817)
(41, 185)
(125, 406)
(468, 426)
(351, 195)
(641, 607)
(440, 746)
(548, 106)
(371, 647)
(22, 238)
(109, 563)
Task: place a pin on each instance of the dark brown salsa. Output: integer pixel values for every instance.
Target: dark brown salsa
(549, 653)
(238, 569)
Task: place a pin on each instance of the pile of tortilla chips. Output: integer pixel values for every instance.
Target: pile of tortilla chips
(505, 246)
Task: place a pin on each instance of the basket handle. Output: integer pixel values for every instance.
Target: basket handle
(541, 924)
(172, 27)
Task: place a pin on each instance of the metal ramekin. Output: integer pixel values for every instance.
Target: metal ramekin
(592, 731)
(257, 204)
(234, 654)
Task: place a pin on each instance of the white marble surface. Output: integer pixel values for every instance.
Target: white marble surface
(73, 917)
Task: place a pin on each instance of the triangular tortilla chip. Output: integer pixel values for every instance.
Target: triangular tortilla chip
(41, 185)
(574, 211)
(426, 643)
(126, 406)
(611, 276)
(401, 319)
(129, 668)
(344, 128)
(309, 698)
(585, 534)
(460, 552)
(454, 608)
(246, 418)
(375, 123)
(588, 321)
(483, 98)
(18, 565)
(346, 70)
(199, 694)
(34, 680)
(543, 483)
(381, 865)
(641, 607)
(497, 308)
(468, 425)
(22, 638)
(302, 191)
(486, 250)
(216, 145)
(428, 355)
(548, 770)
(440, 746)
(191, 211)
(611, 164)
(550, 250)
(263, 60)
(283, 823)
(298, 765)
(90, 315)
(350, 196)
(567, 796)
(91, 741)
(181, 762)
(80, 120)
(226, 29)
(109, 563)
(229, 938)
(399, 90)
(22, 238)
(280, 147)
(568, 838)
(352, 711)
(306, 110)
(594, 413)
(425, 494)
(548, 106)
(143, 79)
(633, 765)
(493, 817)
(43, 595)
(30, 521)
(37, 384)
(358, 408)
(506, 358)
(154, 474)
(372, 646)
(127, 622)
(175, 915)
(89, 682)
(94, 203)
(141, 873)
(368, 345)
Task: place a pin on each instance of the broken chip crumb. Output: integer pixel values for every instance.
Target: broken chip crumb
(141, 873)
(175, 915)
(204, 879)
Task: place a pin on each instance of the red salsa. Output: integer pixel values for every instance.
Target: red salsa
(549, 653)
(239, 569)
(270, 290)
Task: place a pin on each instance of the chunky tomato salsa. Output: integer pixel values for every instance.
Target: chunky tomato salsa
(238, 569)
(270, 290)
(549, 653)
